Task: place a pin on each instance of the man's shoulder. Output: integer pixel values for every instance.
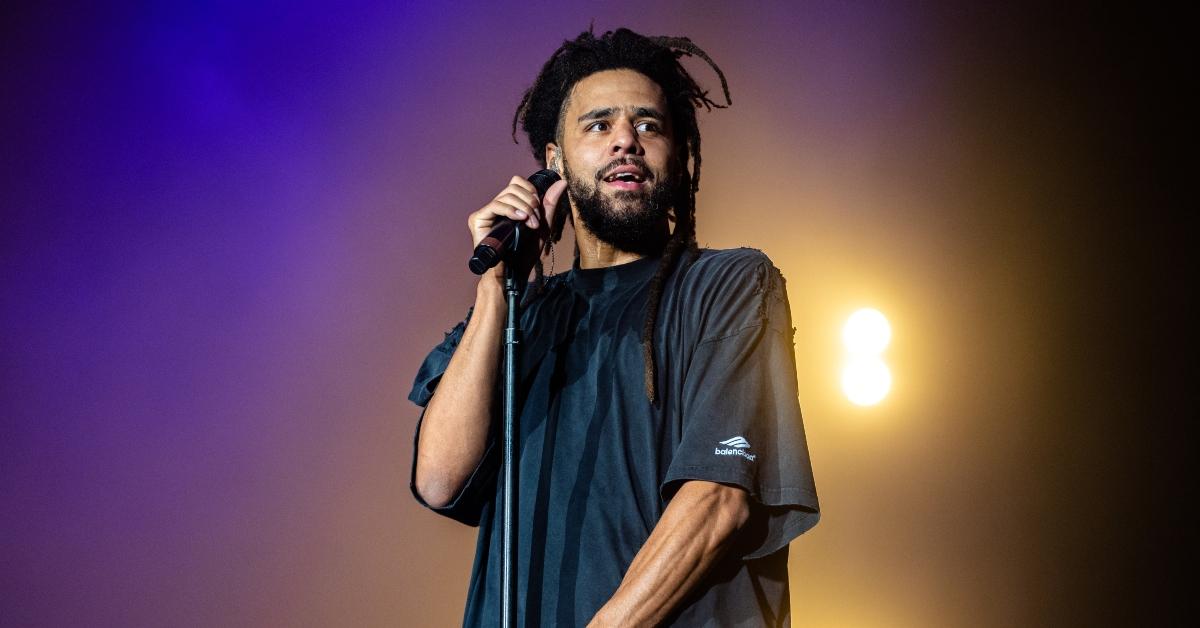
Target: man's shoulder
(729, 264)
(731, 289)
(738, 255)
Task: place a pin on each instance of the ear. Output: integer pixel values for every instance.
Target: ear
(554, 158)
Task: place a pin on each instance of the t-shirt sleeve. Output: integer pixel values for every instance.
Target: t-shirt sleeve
(467, 506)
(741, 416)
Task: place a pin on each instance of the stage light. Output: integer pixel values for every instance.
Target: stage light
(866, 380)
(866, 332)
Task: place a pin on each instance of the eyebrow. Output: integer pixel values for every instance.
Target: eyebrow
(606, 112)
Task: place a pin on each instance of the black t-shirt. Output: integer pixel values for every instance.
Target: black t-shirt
(599, 463)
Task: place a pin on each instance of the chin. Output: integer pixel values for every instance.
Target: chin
(626, 197)
(628, 207)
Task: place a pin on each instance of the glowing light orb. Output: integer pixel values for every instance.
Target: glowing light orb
(866, 380)
(866, 332)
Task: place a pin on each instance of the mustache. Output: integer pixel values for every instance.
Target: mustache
(625, 161)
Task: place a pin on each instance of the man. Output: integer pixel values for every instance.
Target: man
(663, 463)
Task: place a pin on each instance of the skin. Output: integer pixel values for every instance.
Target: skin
(609, 115)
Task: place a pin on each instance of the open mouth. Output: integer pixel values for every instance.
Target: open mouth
(626, 179)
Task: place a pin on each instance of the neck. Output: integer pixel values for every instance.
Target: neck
(596, 253)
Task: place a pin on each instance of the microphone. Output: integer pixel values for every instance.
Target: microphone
(508, 235)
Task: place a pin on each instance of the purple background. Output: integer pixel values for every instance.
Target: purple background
(232, 232)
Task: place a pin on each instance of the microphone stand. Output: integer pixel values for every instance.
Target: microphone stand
(512, 337)
(518, 255)
(517, 264)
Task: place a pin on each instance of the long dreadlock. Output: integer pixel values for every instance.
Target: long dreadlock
(541, 114)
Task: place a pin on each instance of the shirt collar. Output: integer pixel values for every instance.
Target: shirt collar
(591, 281)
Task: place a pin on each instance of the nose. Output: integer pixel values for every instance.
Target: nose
(625, 140)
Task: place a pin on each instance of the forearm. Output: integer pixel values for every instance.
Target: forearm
(454, 429)
(697, 527)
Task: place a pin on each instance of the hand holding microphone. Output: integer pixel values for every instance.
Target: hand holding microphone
(513, 218)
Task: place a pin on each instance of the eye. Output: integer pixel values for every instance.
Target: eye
(648, 127)
(599, 125)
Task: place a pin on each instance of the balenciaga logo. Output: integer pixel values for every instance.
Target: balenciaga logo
(737, 441)
(734, 447)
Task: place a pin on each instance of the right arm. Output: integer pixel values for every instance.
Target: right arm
(453, 432)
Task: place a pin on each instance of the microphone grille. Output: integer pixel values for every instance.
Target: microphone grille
(542, 180)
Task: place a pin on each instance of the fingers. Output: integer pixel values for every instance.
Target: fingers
(521, 195)
(517, 201)
(486, 216)
(523, 209)
(524, 184)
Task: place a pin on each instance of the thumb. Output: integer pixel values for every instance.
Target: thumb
(550, 200)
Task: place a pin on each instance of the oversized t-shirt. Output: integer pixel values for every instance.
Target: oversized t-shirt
(599, 462)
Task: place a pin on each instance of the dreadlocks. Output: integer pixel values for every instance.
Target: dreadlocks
(543, 105)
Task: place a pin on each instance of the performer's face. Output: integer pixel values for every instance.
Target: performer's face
(615, 120)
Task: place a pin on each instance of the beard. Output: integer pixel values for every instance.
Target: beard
(631, 221)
